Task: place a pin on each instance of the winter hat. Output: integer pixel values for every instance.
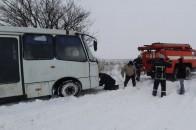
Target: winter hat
(130, 63)
(180, 59)
(100, 74)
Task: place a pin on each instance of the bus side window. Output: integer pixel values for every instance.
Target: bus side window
(38, 47)
(69, 48)
(9, 66)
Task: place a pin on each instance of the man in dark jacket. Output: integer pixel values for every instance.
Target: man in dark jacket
(107, 81)
(159, 68)
(181, 75)
(138, 64)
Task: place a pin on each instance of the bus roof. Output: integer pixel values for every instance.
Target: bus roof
(21, 30)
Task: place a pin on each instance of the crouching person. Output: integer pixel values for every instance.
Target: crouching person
(107, 81)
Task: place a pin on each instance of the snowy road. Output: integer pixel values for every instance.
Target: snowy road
(124, 109)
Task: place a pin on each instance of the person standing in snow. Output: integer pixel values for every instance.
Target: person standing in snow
(130, 71)
(138, 64)
(181, 75)
(107, 81)
(159, 68)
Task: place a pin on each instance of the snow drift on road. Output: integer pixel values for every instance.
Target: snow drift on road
(123, 109)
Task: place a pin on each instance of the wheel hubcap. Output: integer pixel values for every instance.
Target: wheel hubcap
(70, 90)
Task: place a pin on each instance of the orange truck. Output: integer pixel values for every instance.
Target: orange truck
(172, 52)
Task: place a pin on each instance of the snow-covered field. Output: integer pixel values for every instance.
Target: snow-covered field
(123, 109)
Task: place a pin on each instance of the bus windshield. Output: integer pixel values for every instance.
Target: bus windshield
(89, 44)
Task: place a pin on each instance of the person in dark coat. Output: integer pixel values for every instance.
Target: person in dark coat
(138, 64)
(159, 68)
(181, 75)
(107, 81)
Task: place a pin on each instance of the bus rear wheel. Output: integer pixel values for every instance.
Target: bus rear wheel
(69, 88)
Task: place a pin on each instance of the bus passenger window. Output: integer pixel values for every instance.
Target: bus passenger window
(9, 67)
(69, 48)
(38, 47)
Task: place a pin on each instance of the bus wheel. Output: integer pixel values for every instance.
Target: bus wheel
(188, 72)
(69, 88)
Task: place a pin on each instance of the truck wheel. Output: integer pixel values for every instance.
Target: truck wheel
(69, 88)
(188, 72)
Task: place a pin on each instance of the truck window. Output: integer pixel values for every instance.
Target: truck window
(193, 53)
(69, 48)
(9, 66)
(38, 47)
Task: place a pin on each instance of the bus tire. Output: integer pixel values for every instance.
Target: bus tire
(69, 88)
(188, 72)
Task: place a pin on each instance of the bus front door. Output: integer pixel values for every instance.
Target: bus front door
(10, 72)
(94, 80)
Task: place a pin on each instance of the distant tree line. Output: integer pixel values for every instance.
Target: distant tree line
(107, 66)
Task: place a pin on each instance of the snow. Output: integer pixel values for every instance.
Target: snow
(132, 108)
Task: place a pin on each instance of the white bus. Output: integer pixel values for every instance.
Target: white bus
(44, 62)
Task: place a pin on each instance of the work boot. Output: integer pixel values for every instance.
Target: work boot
(154, 93)
(181, 93)
(117, 86)
(163, 94)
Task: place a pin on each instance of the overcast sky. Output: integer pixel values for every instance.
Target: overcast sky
(123, 25)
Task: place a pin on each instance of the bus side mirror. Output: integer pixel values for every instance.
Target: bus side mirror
(95, 45)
